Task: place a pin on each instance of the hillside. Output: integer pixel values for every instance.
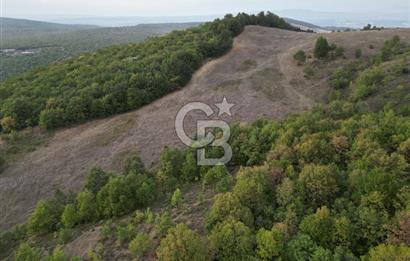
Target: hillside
(259, 75)
(32, 48)
(12, 28)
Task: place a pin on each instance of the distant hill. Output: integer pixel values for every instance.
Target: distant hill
(38, 43)
(16, 27)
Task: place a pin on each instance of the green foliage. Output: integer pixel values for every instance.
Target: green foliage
(133, 164)
(319, 184)
(176, 199)
(124, 194)
(220, 176)
(300, 248)
(58, 255)
(69, 218)
(134, 74)
(319, 226)
(182, 244)
(87, 209)
(64, 235)
(270, 244)
(388, 252)
(163, 223)
(227, 206)
(27, 253)
(232, 240)
(343, 76)
(140, 245)
(322, 48)
(300, 56)
(44, 218)
(190, 169)
(96, 179)
(125, 233)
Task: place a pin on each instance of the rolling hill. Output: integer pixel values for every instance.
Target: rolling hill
(29, 44)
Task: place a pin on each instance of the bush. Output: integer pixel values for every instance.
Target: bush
(182, 244)
(339, 51)
(322, 48)
(176, 198)
(138, 217)
(27, 253)
(363, 91)
(140, 245)
(124, 233)
(133, 164)
(86, 206)
(64, 235)
(232, 240)
(163, 223)
(58, 255)
(388, 252)
(8, 124)
(300, 56)
(190, 169)
(342, 76)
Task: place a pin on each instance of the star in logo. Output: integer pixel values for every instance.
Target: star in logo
(224, 107)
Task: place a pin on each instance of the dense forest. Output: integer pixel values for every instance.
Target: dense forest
(119, 78)
(48, 46)
(328, 184)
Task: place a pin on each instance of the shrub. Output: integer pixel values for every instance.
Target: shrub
(140, 245)
(176, 198)
(363, 91)
(232, 240)
(138, 217)
(309, 71)
(339, 51)
(27, 253)
(52, 118)
(133, 164)
(182, 244)
(124, 233)
(319, 226)
(107, 229)
(342, 76)
(322, 48)
(8, 124)
(58, 255)
(300, 56)
(64, 235)
(163, 223)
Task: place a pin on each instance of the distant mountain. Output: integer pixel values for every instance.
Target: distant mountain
(347, 19)
(132, 20)
(12, 26)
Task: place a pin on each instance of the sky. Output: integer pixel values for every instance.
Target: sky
(38, 8)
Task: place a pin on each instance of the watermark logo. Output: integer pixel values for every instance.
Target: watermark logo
(204, 138)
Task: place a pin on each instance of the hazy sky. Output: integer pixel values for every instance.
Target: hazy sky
(21, 8)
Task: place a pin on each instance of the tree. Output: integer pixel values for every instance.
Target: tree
(44, 218)
(220, 176)
(232, 241)
(322, 48)
(319, 226)
(270, 244)
(301, 248)
(182, 244)
(318, 184)
(87, 206)
(227, 206)
(140, 245)
(69, 218)
(133, 164)
(96, 179)
(190, 170)
(388, 252)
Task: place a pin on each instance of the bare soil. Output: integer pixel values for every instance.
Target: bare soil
(258, 75)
